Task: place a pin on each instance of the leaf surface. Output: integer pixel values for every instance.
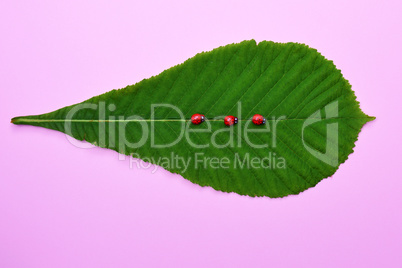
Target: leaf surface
(313, 118)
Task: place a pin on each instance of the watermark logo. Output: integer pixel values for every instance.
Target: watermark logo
(236, 136)
(331, 154)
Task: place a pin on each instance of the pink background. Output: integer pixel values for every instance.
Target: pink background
(61, 206)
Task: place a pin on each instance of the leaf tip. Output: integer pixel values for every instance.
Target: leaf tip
(16, 120)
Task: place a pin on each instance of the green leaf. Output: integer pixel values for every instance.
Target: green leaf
(313, 119)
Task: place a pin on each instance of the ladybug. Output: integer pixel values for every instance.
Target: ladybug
(230, 120)
(258, 119)
(197, 119)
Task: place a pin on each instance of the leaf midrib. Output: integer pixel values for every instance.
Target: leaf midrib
(20, 120)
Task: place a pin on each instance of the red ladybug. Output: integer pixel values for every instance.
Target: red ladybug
(258, 119)
(197, 119)
(230, 120)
